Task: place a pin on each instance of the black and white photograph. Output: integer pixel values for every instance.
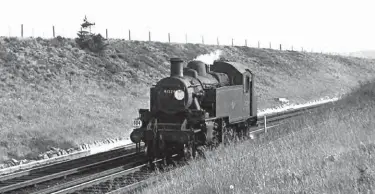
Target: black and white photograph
(187, 96)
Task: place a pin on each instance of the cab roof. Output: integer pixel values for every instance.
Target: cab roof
(229, 66)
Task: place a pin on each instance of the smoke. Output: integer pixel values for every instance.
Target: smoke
(209, 58)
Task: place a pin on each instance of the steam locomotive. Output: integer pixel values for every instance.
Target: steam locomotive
(197, 105)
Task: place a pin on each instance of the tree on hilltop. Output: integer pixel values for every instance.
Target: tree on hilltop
(86, 39)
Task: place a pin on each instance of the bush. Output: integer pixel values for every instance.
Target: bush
(87, 40)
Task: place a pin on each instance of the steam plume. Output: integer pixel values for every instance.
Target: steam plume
(209, 58)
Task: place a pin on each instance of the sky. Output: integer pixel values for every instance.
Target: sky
(317, 25)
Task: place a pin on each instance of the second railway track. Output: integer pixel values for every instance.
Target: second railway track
(121, 179)
(35, 179)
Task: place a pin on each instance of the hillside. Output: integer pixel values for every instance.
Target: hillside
(54, 94)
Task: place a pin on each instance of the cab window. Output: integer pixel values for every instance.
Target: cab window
(247, 83)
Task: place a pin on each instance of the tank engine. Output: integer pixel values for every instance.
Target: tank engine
(195, 106)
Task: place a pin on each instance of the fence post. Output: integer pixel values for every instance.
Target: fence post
(270, 46)
(301, 49)
(292, 47)
(186, 38)
(265, 124)
(22, 30)
(129, 35)
(106, 33)
(202, 40)
(149, 35)
(258, 44)
(217, 40)
(232, 41)
(280, 47)
(246, 42)
(169, 37)
(53, 31)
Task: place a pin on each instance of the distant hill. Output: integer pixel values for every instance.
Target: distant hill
(364, 54)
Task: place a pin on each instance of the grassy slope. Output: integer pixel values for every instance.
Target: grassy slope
(54, 94)
(329, 151)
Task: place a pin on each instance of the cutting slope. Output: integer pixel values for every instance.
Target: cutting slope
(55, 95)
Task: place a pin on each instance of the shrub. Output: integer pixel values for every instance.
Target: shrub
(87, 40)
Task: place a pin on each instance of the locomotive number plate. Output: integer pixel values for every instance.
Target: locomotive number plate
(169, 91)
(137, 123)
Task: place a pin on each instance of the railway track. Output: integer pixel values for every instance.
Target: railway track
(116, 171)
(33, 179)
(93, 183)
(124, 179)
(275, 117)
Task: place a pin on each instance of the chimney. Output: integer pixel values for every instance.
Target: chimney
(177, 67)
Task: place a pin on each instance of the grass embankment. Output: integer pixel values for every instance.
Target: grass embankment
(330, 150)
(53, 94)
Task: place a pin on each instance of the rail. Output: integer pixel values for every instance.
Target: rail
(274, 117)
(110, 175)
(77, 185)
(31, 177)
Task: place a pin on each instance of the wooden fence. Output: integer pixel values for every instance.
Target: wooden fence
(280, 47)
